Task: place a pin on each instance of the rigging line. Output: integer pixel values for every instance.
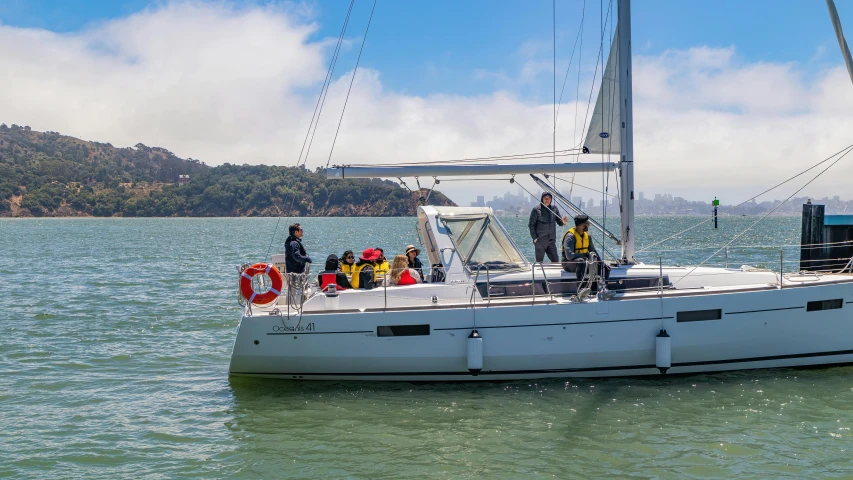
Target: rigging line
(317, 108)
(599, 60)
(324, 95)
(325, 81)
(847, 148)
(476, 179)
(554, 82)
(584, 186)
(352, 80)
(766, 215)
(517, 182)
(521, 156)
(566, 78)
(578, 84)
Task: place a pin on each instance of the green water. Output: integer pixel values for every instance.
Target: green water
(115, 336)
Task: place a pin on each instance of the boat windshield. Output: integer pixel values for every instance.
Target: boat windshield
(481, 240)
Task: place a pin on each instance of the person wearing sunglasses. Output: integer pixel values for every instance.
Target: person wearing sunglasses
(296, 256)
(347, 263)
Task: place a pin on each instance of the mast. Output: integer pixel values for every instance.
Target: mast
(626, 161)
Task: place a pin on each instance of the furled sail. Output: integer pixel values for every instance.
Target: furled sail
(603, 135)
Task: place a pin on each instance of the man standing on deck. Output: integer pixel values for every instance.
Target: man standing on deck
(296, 256)
(544, 219)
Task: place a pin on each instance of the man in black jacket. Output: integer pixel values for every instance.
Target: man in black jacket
(296, 256)
(544, 219)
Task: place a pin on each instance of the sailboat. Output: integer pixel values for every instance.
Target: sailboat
(487, 313)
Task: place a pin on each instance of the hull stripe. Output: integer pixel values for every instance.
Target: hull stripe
(555, 370)
(765, 310)
(554, 324)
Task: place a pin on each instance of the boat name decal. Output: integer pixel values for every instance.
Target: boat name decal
(603, 134)
(295, 328)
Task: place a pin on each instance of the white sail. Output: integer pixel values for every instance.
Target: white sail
(603, 135)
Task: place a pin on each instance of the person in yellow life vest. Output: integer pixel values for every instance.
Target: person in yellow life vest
(382, 267)
(363, 272)
(577, 246)
(347, 263)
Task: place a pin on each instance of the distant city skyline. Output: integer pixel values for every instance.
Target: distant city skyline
(662, 204)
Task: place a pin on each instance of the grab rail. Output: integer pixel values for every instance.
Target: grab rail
(545, 279)
(488, 284)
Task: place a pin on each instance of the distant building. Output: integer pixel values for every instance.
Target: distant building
(590, 203)
(183, 179)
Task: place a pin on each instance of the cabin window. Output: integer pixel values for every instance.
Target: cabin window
(700, 315)
(402, 330)
(824, 305)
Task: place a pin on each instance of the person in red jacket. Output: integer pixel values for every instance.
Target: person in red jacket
(401, 274)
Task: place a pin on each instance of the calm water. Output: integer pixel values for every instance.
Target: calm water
(116, 334)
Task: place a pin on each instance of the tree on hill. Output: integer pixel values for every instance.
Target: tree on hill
(49, 174)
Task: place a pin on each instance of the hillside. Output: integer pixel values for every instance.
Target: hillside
(48, 174)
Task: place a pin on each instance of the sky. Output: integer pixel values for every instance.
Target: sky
(730, 97)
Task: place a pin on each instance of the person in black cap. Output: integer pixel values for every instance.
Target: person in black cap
(577, 246)
(544, 219)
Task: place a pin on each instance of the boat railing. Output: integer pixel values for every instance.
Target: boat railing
(544, 278)
(836, 258)
(488, 285)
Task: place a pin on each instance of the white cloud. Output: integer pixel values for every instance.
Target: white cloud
(236, 84)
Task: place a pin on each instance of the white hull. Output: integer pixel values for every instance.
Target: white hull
(760, 326)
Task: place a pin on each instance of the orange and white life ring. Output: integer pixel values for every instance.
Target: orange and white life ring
(246, 283)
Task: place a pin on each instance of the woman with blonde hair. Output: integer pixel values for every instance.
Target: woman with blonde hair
(401, 274)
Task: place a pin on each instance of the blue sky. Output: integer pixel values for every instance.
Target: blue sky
(756, 87)
(472, 47)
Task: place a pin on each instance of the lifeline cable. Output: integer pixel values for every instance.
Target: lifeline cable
(766, 215)
(352, 80)
(318, 110)
(847, 149)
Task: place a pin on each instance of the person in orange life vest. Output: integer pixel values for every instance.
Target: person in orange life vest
(401, 274)
(330, 274)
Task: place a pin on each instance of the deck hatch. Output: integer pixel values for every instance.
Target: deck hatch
(402, 330)
(824, 305)
(700, 315)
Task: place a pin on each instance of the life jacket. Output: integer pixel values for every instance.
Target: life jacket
(347, 268)
(406, 279)
(356, 275)
(327, 279)
(381, 269)
(581, 244)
